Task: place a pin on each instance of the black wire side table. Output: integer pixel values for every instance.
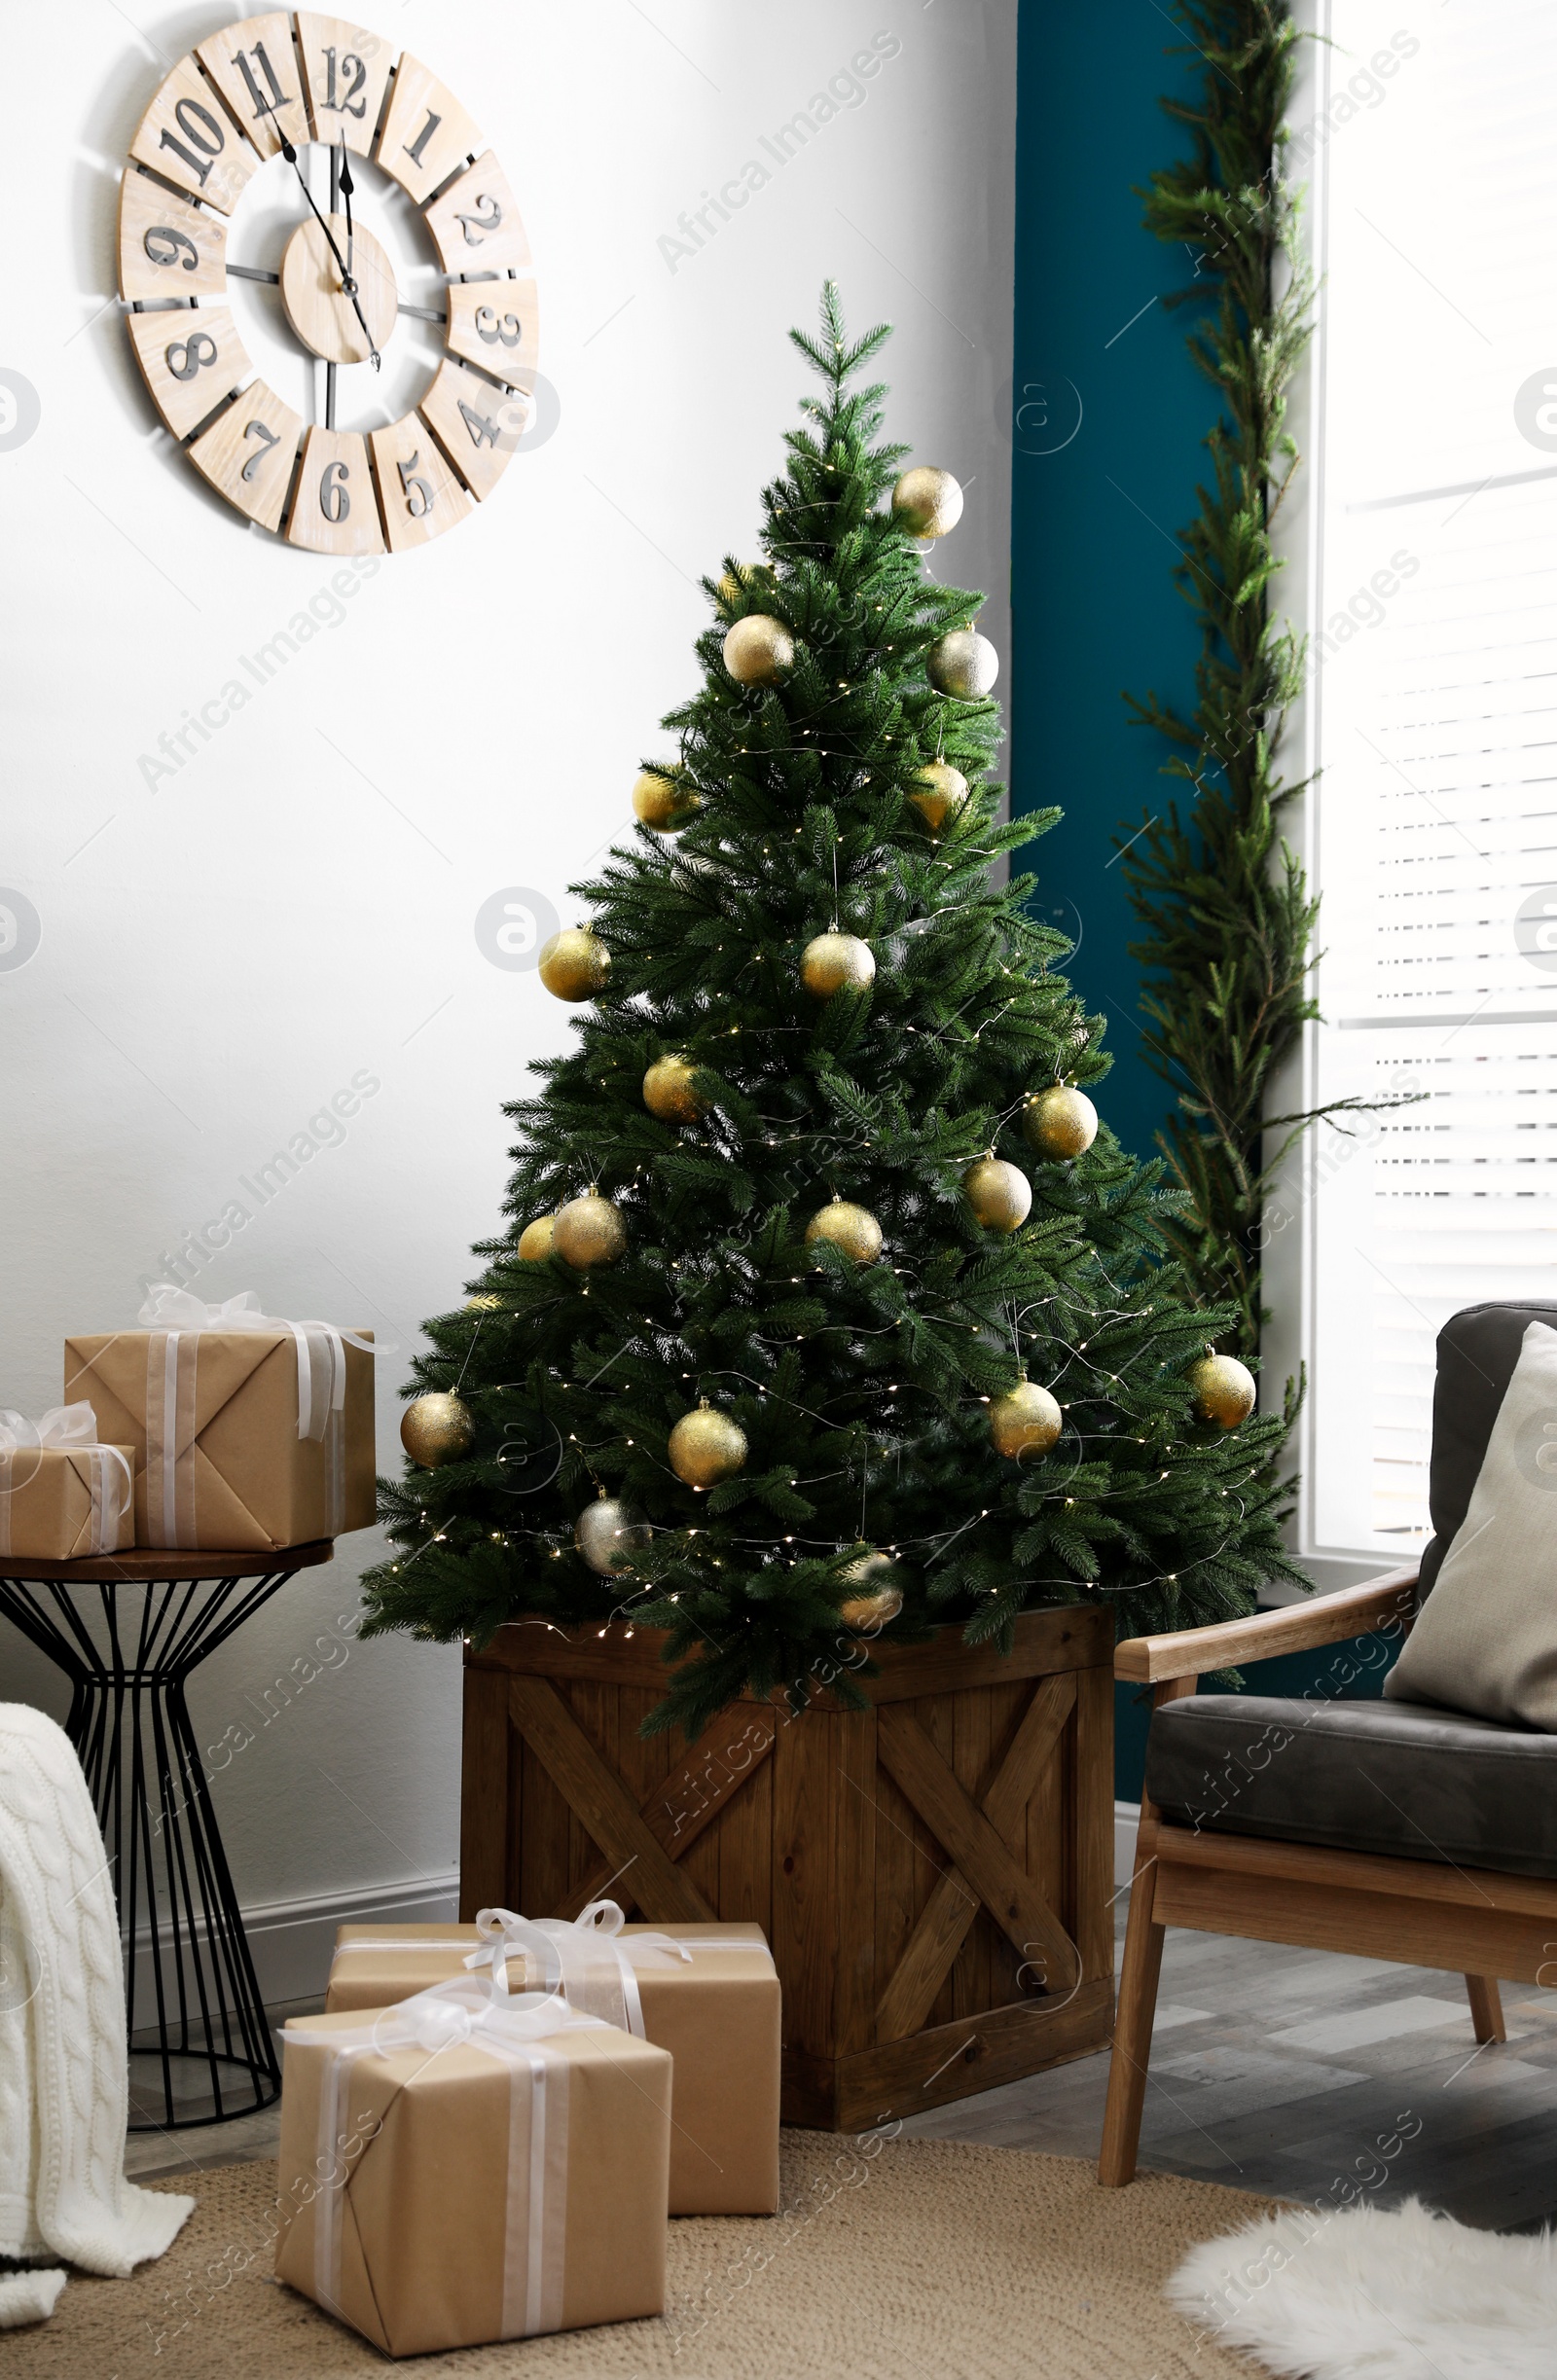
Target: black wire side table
(189, 1978)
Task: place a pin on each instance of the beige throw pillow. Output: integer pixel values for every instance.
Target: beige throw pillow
(1485, 1640)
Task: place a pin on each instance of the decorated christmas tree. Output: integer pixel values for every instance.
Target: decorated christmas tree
(827, 1312)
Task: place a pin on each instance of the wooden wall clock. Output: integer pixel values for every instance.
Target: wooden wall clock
(267, 89)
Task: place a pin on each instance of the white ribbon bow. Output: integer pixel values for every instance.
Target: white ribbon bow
(594, 1969)
(173, 1309)
(66, 1428)
(465, 2013)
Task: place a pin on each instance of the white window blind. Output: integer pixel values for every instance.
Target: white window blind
(1436, 719)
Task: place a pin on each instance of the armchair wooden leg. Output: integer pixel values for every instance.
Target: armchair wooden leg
(1486, 2008)
(1131, 2032)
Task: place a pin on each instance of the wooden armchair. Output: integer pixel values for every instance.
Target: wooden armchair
(1391, 1829)
(1219, 1869)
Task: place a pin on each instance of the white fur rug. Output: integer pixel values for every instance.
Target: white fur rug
(1371, 2293)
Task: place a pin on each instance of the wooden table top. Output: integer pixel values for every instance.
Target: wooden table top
(144, 1565)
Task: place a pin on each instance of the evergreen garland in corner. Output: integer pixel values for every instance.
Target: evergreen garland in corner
(1225, 904)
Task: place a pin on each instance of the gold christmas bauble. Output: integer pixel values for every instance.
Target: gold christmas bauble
(926, 502)
(535, 1240)
(940, 791)
(608, 1534)
(963, 665)
(437, 1427)
(1000, 1195)
(758, 650)
(877, 1581)
(705, 1446)
(833, 961)
(663, 802)
(1025, 1420)
(668, 1090)
(486, 1301)
(852, 1229)
(589, 1231)
(1059, 1122)
(575, 964)
(1223, 1390)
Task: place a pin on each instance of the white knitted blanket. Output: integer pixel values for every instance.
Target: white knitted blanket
(63, 2064)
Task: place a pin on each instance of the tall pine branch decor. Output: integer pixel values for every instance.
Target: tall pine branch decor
(1225, 905)
(823, 1310)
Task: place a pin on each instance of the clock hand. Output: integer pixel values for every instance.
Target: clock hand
(348, 284)
(344, 184)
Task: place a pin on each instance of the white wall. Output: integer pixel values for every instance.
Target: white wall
(226, 947)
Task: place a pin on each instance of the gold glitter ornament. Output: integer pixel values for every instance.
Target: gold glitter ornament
(535, 1240)
(938, 793)
(1060, 1123)
(852, 1229)
(963, 665)
(758, 650)
(437, 1427)
(668, 1090)
(575, 964)
(877, 1579)
(1025, 1420)
(662, 803)
(927, 502)
(1223, 1390)
(589, 1231)
(705, 1446)
(833, 961)
(608, 1534)
(485, 1301)
(1000, 1195)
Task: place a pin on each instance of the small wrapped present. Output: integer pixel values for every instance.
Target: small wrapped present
(64, 1494)
(248, 1431)
(461, 2170)
(709, 1993)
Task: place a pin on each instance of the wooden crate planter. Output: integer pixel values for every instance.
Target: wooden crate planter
(934, 1873)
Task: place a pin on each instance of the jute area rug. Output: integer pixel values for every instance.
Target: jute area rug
(898, 2260)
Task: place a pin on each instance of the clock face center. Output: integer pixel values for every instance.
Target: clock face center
(320, 310)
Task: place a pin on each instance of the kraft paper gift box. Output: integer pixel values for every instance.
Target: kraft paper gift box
(716, 2009)
(453, 2175)
(64, 1494)
(249, 1433)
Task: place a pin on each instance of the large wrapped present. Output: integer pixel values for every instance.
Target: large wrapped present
(64, 1494)
(248, 1431)
(455, 2172)
(709, 1993)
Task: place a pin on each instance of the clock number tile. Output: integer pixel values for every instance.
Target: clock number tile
(427, 133)
(187, 136)
(475, 225)
(346, 72)
(477, 425)
(496, 324)
(168, 247)
(418, 493)
(333, 510)
(255, 68)
(193, 358)
(247, 455)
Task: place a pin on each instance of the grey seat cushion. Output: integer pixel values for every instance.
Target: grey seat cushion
(1404, 1778)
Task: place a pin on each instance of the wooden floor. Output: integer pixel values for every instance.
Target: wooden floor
(1280, 2071)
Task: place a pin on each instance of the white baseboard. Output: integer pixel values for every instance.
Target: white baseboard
(1125, 1819)
(291, 1940)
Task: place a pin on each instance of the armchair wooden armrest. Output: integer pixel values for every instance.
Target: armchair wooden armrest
(1328, 1619)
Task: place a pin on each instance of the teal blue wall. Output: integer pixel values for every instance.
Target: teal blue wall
(1094, 605)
